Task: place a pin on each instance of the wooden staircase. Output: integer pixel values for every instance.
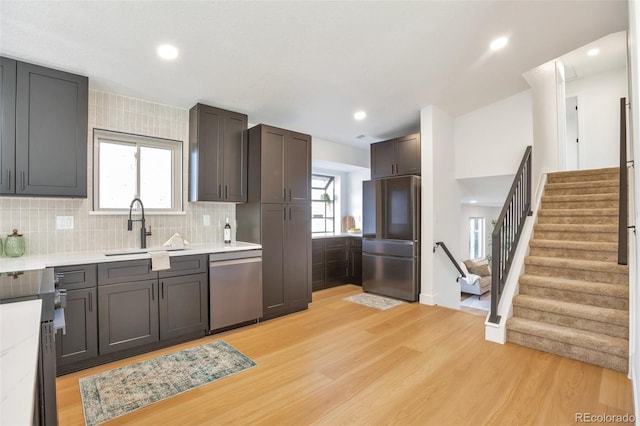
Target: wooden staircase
(573, 297)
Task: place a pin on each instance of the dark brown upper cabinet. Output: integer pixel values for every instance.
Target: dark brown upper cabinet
(285, 165)
(43, 150)
(218, 155)
(396, 157)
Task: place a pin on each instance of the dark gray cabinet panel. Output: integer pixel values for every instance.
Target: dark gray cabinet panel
(355, 261)
(218, 155)
(317, 264)
(128, 315)
(274, 289)
(80, 342)
(78, 276)
(395, 157)
(7, 125)
(336, 261)
(298, 255)
(183, 305)
(186, 265)
(298, 168)
(125, 271)
(51, 132)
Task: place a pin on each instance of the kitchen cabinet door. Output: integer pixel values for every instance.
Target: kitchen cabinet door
(272, 183)
(317, 264)
(128, 315)
(298, 168)
(274, 291)
(80, 342)
(298, 257)
(7, 125)
(355, 261)
(382, 159)
(337, 261)
(183, 305)
(407, 154)
(218, 154)
(51, 132)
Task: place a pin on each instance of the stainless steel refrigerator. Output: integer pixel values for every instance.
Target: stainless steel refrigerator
(391, 237)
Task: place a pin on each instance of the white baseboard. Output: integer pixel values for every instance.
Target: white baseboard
(428, 299)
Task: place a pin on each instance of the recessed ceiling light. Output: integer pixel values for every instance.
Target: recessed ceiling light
(593, 52)
(499, 43)
(360, 115)
(167, 51)
(473, 201)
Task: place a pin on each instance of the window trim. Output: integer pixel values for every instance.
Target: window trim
(481, 239)
(123, 138)
(332, 219)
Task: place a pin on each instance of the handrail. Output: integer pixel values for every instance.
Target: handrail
(446, 250)
(506, 233)
(624, 201)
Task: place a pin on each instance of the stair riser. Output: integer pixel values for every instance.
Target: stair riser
(577, 274)
(600, 300)
(579, 220)
(583, 178)
(597, 204)
(581, 191)
(567, 350)
(609, 237)
(607, 329)
(605, 256)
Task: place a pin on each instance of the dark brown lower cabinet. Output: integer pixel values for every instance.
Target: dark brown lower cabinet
(336, 261)
(183, 305)
(80, 339)
(128, 315)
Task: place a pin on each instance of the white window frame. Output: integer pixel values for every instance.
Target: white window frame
(481, 238)
(114, 137)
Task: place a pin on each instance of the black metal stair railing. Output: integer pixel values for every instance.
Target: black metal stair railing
(624, 200)
(450, 256)
(506, 234)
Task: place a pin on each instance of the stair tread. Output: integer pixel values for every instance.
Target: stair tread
(605, 196)
(576, 310)
(574, 245)
(578, 212)
(557, 283)
(574, 227)
(587, 265)
(588, 172)
(586, 339)
(587, 184)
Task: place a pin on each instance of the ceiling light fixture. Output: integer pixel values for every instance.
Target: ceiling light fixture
(593, 52)
(360, 115)
(473, 201)
(499, 43)
(167, 52)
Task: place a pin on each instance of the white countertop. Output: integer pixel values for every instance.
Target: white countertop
(27, 263)
(20, 331)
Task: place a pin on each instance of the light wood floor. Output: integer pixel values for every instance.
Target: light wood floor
(342, 363)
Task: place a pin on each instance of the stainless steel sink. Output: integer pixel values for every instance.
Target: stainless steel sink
(125, 252)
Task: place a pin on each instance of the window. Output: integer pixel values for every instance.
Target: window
(128, 166)
(476, 238)
(322, 203)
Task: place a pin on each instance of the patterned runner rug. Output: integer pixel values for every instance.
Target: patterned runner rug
(123, 390)
(374, 301)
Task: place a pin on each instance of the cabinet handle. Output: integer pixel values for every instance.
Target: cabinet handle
(162, 290)
(153, 291)
(9, 179)
(397, 168)
(226, 192)
(22, 179)
(289, 213)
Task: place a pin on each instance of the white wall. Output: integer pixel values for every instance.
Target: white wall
(339, 153)
(634, 90)
(542, 80)
(440, 209)
(467, 211)
(599, 116)
(353, 194)
(503, 127)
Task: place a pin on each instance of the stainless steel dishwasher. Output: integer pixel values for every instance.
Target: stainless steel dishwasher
(235, 288)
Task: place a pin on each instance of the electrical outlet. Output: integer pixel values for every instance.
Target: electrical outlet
(206, 220)
(64, 222)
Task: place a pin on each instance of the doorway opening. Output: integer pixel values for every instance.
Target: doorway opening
(573, 135)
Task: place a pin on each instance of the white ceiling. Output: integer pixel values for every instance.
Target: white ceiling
(613, 55)
(307, 65)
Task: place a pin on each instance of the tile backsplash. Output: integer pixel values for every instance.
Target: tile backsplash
(35, 218)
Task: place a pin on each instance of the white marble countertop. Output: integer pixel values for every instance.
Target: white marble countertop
(336, 235)
(20, 331)
(27, 263)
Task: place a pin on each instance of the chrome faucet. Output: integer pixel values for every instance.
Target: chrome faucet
(143, 229)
